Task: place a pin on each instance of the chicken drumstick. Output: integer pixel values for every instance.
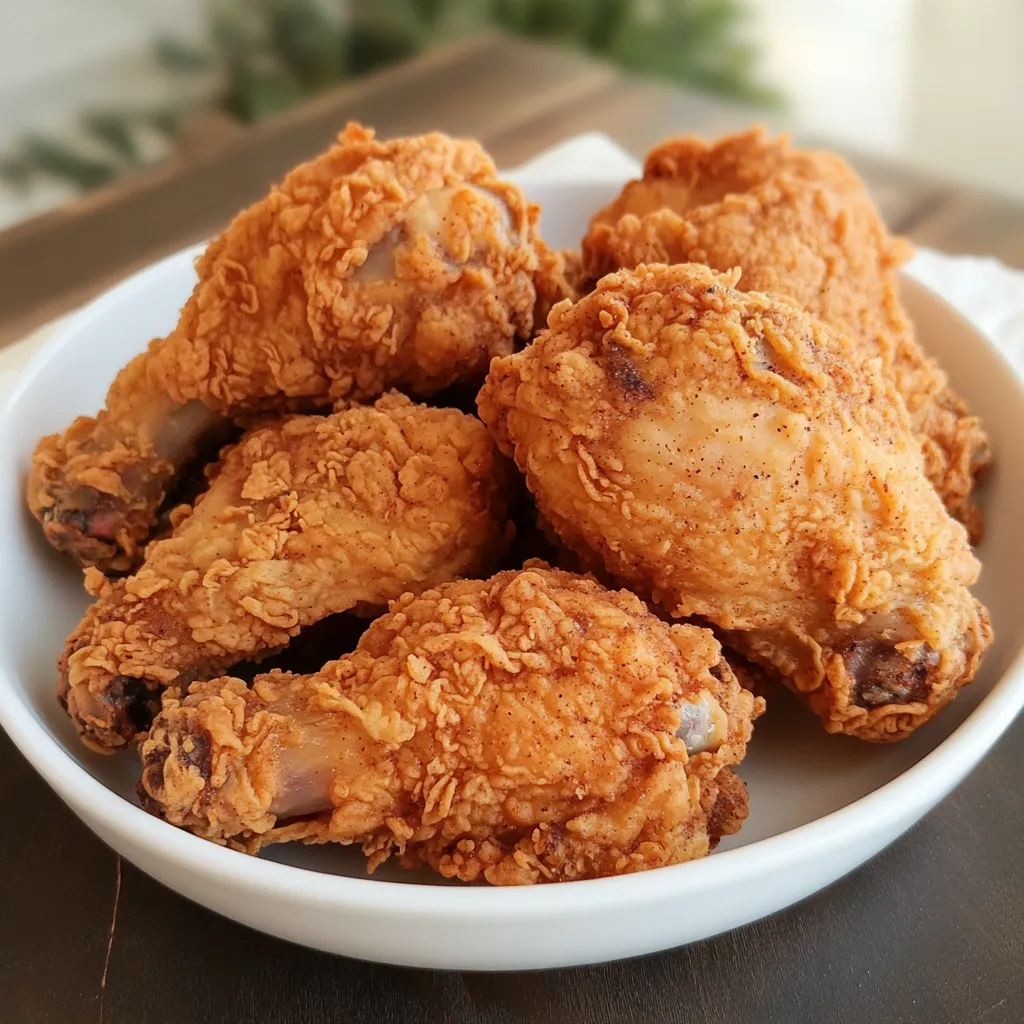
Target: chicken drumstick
(380, 264)
(515, 730)
(305, 518)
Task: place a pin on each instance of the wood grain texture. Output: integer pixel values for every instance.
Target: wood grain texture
(56, 900)
(930, 932)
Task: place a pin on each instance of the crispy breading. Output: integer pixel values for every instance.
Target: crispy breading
(799, 224)
(307, 517)
(404, 263)
(516, 730)
(725, 455)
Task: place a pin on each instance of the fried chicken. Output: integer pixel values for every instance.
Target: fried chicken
(800, 225)
(721, 453)
(310, 516)
(533, 727)
(561, 276)
(379, 264)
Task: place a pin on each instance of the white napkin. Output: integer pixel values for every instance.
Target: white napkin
(984, 290)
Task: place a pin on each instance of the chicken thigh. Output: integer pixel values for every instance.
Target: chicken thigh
(728, 457)
(799, 225)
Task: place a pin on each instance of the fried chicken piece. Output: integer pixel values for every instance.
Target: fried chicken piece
(718, 451)
(799, 225)
(305, 518)
(379, 264)
(561, 276)
(97, 487)
(533, 727)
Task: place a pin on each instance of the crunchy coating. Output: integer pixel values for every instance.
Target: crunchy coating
(800, 224)
(515, 730)
(382, 263)
(561, 276)
(96, 488)
(305, 518)
(404, 263)
(717, 451)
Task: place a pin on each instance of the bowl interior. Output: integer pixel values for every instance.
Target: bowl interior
(795, 772)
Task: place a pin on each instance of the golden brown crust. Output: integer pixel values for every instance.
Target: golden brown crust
(723, 453)
(404, 263)
(306, 517)
(800, 225)
(728, 805)
(96, 487)
(560, 275)
(516, 730)
(382, 263)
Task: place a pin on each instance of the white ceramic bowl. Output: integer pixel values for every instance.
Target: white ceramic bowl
(820, 805)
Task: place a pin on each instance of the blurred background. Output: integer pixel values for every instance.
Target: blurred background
(95, 90)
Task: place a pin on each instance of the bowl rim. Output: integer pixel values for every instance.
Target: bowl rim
(890, 806)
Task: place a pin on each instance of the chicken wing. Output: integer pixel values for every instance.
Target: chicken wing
(305, 518)
(533, 727)
(404, 263)
(799, 225)
(720, 452)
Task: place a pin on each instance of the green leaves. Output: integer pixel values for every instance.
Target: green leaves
(108, 147)
(115, 132)
(265, 56)
(370, 48)
(175, 56)
(264, 44)
(697, 42)
(309, 44)
(40, 155)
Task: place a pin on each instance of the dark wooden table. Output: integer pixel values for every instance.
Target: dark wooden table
(932, 931)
